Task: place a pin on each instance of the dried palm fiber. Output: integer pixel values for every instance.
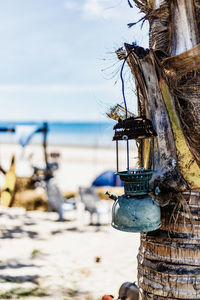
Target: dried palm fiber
(159, 35)
(159, 28)
(179, 65)
(188, 107)
(178, 275)
(121, 53)
(197, 13)
(184, 78)
(143, 5)
(147, 6)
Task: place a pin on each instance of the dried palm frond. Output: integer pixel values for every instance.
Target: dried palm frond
(197, 13)
(118, 112)
(187, 92)
(143, 5)
(159, 35)
(121, 53)
(181, 209)
(159, 28)
(179, 65)
(183, 73)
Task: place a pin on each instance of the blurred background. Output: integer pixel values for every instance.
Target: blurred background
(59, 77)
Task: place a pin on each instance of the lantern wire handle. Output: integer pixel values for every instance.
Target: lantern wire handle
(141, 145)
(127, 155)
(117, 155)
(153, 155)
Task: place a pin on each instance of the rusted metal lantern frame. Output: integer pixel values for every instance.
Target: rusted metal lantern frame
(133, 128)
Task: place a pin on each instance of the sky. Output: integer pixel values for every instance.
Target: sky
(57, 60)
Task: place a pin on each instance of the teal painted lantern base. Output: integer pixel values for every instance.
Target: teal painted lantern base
(136, 214)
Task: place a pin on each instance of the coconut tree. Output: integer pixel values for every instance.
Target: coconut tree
(168, 90)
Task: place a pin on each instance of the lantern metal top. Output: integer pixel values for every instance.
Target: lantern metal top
(134, 128)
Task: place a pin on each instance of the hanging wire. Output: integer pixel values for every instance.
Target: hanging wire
(123, 91)
(122, 80)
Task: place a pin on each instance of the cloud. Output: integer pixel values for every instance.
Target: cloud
(71, 5)
(55, 88)
(93, 9)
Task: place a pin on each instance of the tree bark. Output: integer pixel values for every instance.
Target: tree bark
(168, 87)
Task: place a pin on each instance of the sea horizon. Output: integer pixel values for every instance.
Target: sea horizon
(71, 133)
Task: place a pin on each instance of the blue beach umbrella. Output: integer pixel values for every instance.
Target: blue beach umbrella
(108, 178)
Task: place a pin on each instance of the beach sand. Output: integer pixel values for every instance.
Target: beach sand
(78, 166)
(47, 259)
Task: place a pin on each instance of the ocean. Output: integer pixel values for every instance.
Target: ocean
(61, 133)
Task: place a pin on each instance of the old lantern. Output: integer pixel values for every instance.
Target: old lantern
(136, 210)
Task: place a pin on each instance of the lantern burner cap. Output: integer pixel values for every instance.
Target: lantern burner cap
(134, 128)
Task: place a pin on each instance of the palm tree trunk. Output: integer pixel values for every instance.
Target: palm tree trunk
(168, 87)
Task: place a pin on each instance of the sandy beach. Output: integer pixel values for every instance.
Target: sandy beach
(43, 258)
(69, 260)
(78, 166)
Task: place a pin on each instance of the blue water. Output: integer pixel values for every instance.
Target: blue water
(60, 133)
